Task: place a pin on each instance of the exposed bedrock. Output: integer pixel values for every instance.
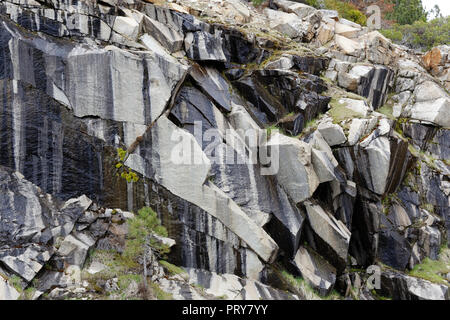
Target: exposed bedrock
(372, 82)
(274, 140)
(31, 221)
(276, 93)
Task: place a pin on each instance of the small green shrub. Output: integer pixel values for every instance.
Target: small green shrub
(313, 3)
(16, 282)
(141, 227)
(125, 172)
(421, 35)
(347, 11)
(257, 2)
(357, 16)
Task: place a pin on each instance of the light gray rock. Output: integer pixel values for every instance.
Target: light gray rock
(127, 98)
(186, 178)
(203, 46)
(400, 286)
(323, 166)
(285, 63)
(352, 79)
(332, 133)
(359, 106)
(96, 267)
(369, 81)
(214, 85)
(348, 46)
(286, 23)
(435, 111)
(349, 23)
(331, 14)
(373, 163)
(329, 229)
(127, 27)
(315, 270)
(73, 250)
(346, 30)
(300, 9)
(164, 240)
(169, 38)
(296, 174)
(425, 290)
(231, 287)
(356, 131)
(429, 90)
(325, 33)
(402, 98)
(404, 84)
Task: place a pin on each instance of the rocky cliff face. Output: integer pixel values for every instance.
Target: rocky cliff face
(362, 171)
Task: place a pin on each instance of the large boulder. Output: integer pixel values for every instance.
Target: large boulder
(394, 248)
(214, 85)
(332, 133)
(175, 159)
(348, 46)
(332, 237)
(300, 9)
(346, 30)
(372, 82)
(373, 163)
(204, 46)
(288, 24)
(432, 104)
(295, 173)
(170, 38)
(127, 27)
(437, 61)
(403, 287)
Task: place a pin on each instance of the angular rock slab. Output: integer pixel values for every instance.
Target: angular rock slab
(204, 46)
(214, 85)
(174, 158)
(373, 163)
(331, 231)
(231, 287)
(332, 133)
(402, 287)
(315, 270)
(436, 111)
(168, 37)
(295, 171)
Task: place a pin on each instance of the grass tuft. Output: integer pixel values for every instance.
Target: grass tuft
(433, 270)
(171, 268)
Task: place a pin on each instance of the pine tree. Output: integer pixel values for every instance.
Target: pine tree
(409, 11)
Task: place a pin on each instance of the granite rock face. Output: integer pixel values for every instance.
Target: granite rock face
(300, 143)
